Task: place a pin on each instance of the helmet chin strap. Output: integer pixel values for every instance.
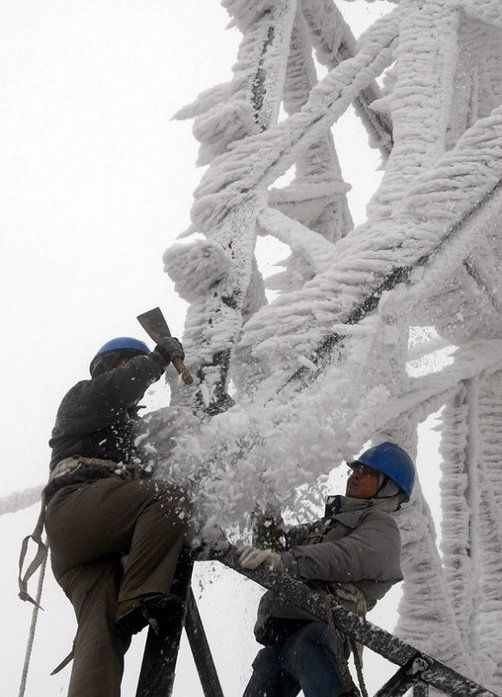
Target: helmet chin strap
(387, 489)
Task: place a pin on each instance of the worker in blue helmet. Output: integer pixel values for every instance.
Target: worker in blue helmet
(115, 533)
(352, 552)
(393, 463)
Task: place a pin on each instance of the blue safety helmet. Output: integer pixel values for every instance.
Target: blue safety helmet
(123, 344)
(393, 462)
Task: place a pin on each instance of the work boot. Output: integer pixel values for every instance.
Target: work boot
(154, 611)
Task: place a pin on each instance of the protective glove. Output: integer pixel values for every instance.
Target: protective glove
(252, 557)
(168, 349)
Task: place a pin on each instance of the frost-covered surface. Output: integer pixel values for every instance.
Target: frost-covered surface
(333, 42)
(258, 160)
(317, 195)
(488, 11)
(426, 57)
(471, 529)
(489, 593)
(435, 216)
(460, 505)
(20, 500)
(438, 209)
(477, 87)
(195, 268)
(427, 618)
(213, 324)
(315, 251)
(270, 447)
(295, 323)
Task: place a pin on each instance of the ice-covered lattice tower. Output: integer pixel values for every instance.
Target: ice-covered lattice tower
(338, 357)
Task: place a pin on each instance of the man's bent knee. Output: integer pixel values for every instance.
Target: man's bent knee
(170, 506)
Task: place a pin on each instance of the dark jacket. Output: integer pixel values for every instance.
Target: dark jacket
(98, 418)
(354, 543)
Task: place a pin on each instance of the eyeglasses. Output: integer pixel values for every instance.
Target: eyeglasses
(359, 468)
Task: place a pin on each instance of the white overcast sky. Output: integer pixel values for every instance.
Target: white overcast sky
(96, 182)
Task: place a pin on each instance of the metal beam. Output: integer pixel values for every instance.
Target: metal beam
(200, 649)
(486, 206)
(325, 608)
(158, 668)
(323, 19)
(223, 312)
(401, 681)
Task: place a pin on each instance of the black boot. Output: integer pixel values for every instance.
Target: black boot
(152, 611)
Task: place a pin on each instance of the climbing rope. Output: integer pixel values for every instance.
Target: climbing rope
(353, 599)
(33, 627)
(358, 662)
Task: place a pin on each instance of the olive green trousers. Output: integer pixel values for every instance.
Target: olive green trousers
(112, 541)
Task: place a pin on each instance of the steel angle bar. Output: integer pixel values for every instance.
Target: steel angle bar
(236, 234)
(324, 608)
(421, 690)
(401, 681)
(322, 18)
(396, 276)
(158, 667)
(200, 649)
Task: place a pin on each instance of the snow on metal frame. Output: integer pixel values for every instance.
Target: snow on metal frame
(436, 674)
(451, 192)
(460, 164)
(489, 599)
(257, 161)
(426, 205)
(334, 42)
(488, 11)
(214, 325)
(463, 177)
(316, 195)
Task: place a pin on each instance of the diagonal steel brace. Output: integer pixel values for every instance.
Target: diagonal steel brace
(407, 676)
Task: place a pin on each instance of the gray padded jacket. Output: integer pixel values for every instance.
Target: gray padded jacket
(355, 542)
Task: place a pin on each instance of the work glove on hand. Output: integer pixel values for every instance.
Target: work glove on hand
(168, 349)
(252, 557)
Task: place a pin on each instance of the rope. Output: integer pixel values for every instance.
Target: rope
(33, 626)
(351, 597)
(358, 662)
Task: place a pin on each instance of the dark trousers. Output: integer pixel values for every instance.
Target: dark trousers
(90, 527)
(305, 661)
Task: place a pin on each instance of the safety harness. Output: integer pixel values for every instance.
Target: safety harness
(71, 470)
